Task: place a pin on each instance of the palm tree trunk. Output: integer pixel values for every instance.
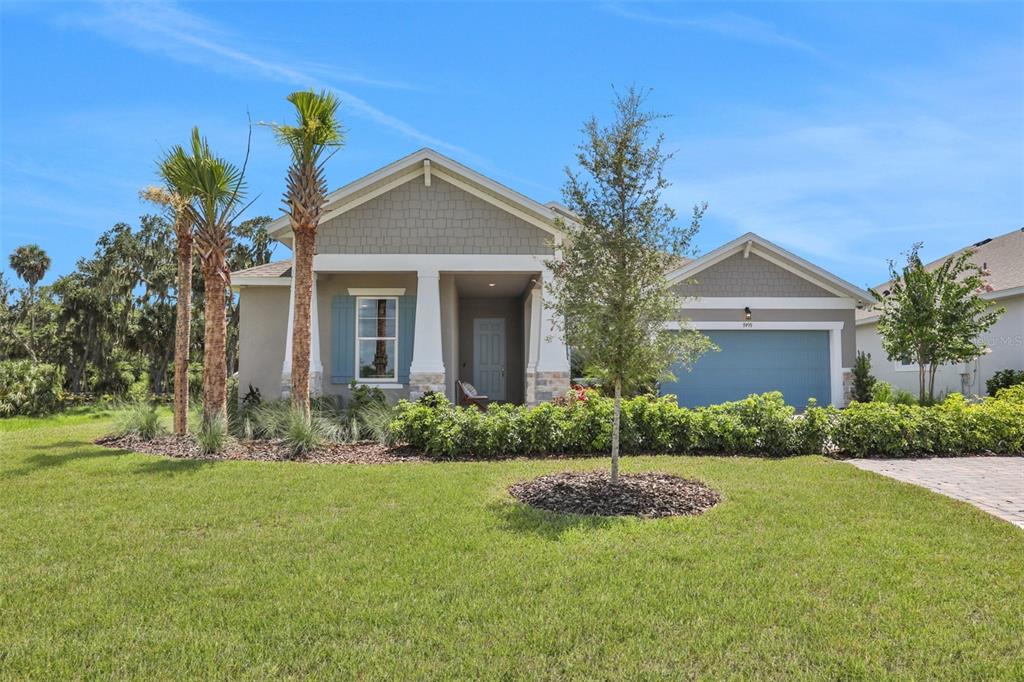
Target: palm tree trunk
(616, 418)
(182, 334)
(215, 377)
(304, 246)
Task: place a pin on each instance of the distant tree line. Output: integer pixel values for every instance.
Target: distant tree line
(110, 323)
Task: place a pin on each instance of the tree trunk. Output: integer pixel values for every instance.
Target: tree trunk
(920, 382)
(32, 322)
(931, 382)
(182, 334)
(616, 418)
(215, 376)
(304, 245)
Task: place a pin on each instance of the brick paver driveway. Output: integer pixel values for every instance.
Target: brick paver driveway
(993, 484)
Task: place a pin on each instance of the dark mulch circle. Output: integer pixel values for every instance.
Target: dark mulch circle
(186, 447)
(590, 493)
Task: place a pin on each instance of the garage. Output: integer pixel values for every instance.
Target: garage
(795, 362)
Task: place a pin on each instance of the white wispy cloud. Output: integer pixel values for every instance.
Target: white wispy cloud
(931, 157)
(168, 30)
(728, 24)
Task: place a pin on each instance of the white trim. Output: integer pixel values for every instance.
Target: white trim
(376, 380)
(495, 201)
(376, 292)
(898, 366)
(835, 343)
(426, 172)
(771, 303)
(776, 255)
(410, 167)
(756, 325)
(372, 194)
(238, 283)
(378, 384)
(440, 262)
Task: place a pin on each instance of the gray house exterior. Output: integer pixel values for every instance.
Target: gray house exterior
(428, 273)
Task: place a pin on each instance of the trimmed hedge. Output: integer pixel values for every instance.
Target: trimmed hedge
(759, 424)
(29, 388)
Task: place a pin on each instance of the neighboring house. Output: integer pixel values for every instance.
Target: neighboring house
(1002, 258)
(427, 273)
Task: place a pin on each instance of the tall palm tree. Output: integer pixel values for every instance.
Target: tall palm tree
(316, 132)
(176, 197)
(216, 188)
(30, 263)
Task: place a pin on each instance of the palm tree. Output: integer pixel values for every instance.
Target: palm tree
(317, 131)
(30, 263)
(216, 188)
(176, 196)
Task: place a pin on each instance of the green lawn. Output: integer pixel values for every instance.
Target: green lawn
(117, 565)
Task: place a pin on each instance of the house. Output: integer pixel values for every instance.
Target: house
(1002, 258)
(427, 273)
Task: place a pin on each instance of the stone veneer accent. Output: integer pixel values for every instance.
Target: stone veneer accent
(545, 386)
(847, 389)
(413, 218)
(753, 276)
(316, 385)
(422, 382)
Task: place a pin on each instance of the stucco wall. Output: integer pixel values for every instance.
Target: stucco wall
(414, 218)
(846, 316)
(263, 326)
(1006, 339)
(511, 309)
(751, 276)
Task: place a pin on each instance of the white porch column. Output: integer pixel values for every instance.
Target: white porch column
(550, 376)
(426, 372)
(286, 367)
(316, 369)
(316, 366)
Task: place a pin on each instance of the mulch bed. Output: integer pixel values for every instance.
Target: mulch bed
(590, 493)
(266, 451)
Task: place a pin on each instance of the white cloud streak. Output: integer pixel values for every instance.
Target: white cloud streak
(168, 30)
(728, 24)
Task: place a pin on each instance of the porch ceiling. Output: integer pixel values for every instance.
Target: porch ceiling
(493, 285)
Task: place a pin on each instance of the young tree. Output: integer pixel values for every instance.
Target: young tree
(933, 317)
(30, 263)
(609, 290)
(316, 131)
(176, 197)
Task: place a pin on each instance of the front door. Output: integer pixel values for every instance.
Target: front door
(489, 356)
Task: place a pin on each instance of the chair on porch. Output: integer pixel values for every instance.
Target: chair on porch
(470, 396)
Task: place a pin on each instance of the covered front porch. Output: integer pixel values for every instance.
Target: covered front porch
(412, 324)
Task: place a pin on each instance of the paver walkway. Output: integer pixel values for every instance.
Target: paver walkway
(992, 484)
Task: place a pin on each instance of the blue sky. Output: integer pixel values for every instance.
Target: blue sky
(844, 132)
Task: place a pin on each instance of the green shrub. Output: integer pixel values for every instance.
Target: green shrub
(139, 419)
(883, 392)
(1004, 378)
(758, 424)
(863, 381)
(212, 436)
(28, 388)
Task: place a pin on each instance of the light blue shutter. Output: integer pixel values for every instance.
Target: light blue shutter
(343, 339)
(406, 334)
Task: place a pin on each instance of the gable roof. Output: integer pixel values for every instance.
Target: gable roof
(1001, 257)
(761, 247)
(428, 163)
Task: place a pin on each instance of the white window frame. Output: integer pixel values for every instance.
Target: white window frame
(900, 366)
(376, 380)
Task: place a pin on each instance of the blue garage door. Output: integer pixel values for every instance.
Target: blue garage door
(752, 361)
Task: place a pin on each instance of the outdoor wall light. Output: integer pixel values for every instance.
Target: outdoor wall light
(746, 313)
